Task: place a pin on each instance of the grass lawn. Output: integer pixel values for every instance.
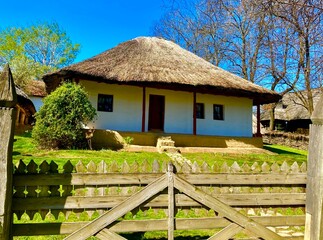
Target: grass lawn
(25, 149)
(278, 154)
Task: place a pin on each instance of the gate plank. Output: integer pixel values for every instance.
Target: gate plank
(227, 232)
(224, 209)
(120, 210)
(105, 234)
(98, 179)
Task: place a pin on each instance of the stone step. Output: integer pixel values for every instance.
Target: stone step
(165, 141)
(168, 149)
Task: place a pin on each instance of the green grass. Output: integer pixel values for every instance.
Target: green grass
(277, 154)
(24, 148)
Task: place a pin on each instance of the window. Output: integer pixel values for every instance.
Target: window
(105, 103)
(218, 112)
(200, 110)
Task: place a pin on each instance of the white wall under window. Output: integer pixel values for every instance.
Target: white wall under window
(127, 111)
(237, 116)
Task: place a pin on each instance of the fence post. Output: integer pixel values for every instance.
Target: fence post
(8, 100)
(314, 189)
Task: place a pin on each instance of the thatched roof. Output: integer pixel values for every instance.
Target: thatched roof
(36, 88)
(25, 102)
(155, 62)
(291, 108)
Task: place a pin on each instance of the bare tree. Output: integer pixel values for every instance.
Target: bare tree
(224, 32)
(305, 18)
(195, 25)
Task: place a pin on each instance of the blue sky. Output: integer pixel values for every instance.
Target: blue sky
(97, 25)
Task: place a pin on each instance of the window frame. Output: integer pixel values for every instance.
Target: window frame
(219, 116)
(202, 109)
(108, 100)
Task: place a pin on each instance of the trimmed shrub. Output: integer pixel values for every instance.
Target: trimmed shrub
(60, 120)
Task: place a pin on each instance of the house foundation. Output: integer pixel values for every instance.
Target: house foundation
(185, 140)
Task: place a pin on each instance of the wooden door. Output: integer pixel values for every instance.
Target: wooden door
(156, 113)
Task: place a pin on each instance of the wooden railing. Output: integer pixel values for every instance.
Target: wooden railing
(272, 194)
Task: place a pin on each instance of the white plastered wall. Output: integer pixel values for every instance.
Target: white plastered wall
(237, 116)
(178, 110)
(127, 106)
(37, 101)
(127, 111)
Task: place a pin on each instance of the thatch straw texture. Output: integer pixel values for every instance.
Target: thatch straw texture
(291, 108)
(155, 62)
(36, 88)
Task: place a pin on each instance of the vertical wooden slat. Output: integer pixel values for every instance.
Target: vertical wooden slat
(31, 190)
(171, 203)
(44, 190)
(67, 189)
(54, 189)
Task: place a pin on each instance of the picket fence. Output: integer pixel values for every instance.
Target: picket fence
(273, 194)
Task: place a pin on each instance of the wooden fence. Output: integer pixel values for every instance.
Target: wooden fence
(271, 194)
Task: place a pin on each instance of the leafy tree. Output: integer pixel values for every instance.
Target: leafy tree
(60, 120)
(35, 50)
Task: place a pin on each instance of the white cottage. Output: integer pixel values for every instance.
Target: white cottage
(149, 86)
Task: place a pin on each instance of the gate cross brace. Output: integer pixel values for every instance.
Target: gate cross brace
(120, 210)
(225, 210)
(171, 180)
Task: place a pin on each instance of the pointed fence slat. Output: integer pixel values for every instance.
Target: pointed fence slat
(32, 190)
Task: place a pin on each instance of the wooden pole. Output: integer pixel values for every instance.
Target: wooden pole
(8, 100)
(258, 121)
(314, 189)
(194, 113)
(143, 119)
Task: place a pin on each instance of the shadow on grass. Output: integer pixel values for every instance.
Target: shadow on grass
(279, 151)
(140, 236)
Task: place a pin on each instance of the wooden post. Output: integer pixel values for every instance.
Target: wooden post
(171, 209)
(314, 189)
(258, 134)
(194, 113)
(8, 100)
(143, 117)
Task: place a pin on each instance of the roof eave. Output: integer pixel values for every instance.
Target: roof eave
(53, 80)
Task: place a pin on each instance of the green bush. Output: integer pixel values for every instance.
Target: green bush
(59, 121)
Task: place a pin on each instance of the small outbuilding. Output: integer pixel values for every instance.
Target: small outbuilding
(36, 92)
(148, 87)
(290, 113)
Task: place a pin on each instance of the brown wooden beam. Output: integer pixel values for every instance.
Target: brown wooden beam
(258, 134)
(143, 120)
(194, 113)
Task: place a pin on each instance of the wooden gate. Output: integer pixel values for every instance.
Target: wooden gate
(239, 222)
